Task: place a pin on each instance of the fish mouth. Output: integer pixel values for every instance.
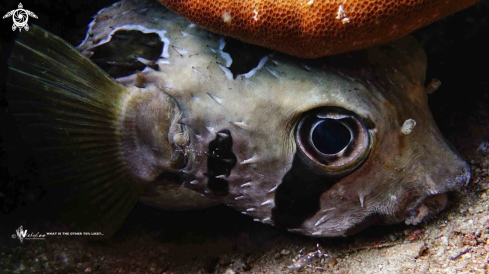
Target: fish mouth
(436, 202)
(346, 216)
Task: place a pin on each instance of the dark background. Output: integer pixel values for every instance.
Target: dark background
(69, 20)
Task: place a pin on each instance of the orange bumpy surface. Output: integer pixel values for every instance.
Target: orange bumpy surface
(313, 28)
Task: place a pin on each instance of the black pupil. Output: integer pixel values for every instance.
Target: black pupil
(330, 136)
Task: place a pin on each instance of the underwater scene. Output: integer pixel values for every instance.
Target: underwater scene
(244, 137)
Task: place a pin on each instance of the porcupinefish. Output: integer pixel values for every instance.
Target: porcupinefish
(322, 147)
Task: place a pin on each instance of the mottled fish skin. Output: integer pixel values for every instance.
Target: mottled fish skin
(258, 112)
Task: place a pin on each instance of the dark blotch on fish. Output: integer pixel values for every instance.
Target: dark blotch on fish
(119, 56)
(245, 56)
(298, 195)
(220, 161)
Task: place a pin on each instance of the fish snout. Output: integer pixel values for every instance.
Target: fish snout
(437, 186)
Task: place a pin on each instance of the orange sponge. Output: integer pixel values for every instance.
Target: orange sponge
(314, 28)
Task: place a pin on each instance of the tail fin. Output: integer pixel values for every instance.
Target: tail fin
(68, 109)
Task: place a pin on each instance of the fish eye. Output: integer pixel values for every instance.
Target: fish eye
(330, 136)
(333, 141)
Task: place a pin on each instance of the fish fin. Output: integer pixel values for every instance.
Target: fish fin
(68, 110)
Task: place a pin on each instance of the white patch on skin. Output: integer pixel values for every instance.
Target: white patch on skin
(227, 72)
(266, 220)
(273, 72)
(223, 134)
(273, 189)
(227, 57)
(362, 199)
(268, 202)
(239, 198)
(276, 62)
(221, 176)
(191, 25)
(254, 70)
(242, 125)
(408, 126)
(90, 27)
(215, 98)
(161, 34)
(256, 220)
(161, 62)
(251, 209)
(194, 182)
(322, 220)
(328, 209)
(251, 160)
(246, 184)
(222, 43)
(317, 233)
(145, 61)
(181, 51)
(200, 72)
(211, 130)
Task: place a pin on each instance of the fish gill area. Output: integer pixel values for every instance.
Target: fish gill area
(220, 240)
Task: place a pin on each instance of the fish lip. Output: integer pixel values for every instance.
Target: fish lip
(417, 214)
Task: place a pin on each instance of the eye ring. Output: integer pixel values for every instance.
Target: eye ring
(333, 141)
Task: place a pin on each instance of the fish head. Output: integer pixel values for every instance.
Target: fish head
(325, 148)
(322, 147)
(410, 167)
